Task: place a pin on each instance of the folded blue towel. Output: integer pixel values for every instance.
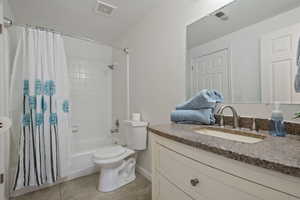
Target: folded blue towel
(297, 78)
(204, 99)
(203, 116)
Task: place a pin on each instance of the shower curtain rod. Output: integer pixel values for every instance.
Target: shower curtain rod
(8, 23)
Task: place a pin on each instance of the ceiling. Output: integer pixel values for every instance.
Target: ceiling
(77, 17)
(241, 13)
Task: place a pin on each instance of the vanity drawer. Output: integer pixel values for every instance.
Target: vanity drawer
(202, 181)
(168, 191)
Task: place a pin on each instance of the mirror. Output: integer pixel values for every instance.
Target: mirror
(247, 50)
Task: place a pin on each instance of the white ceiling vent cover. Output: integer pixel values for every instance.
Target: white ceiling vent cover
(104, 8)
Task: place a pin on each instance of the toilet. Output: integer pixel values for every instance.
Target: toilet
(117, 162)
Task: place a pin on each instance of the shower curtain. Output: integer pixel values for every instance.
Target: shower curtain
(40, 101)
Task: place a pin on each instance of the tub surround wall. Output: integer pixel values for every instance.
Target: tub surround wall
(91, 97)
(90, 81)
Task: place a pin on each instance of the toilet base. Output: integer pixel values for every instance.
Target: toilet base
(112, 178)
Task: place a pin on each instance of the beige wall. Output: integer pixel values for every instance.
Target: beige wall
(7, 11)
(157, 72)
(4, 137)
(2, 97)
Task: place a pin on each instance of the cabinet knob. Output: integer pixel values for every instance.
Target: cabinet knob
(194, 182)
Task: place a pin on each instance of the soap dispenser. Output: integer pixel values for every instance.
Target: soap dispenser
(277, 123)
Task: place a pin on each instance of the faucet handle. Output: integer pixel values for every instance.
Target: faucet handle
(253, 124)
(219, 108)
(221, 120)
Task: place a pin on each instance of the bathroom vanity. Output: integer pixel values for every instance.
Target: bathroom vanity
(189, 165)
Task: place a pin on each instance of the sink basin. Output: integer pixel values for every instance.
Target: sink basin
(231, 134)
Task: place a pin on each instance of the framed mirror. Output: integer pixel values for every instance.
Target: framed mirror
(247, 50)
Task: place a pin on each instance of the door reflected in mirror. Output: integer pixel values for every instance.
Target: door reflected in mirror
(247, 51)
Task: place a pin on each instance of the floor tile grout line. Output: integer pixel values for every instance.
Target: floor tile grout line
(60, 192)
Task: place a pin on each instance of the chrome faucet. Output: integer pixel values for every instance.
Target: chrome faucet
(234, 113)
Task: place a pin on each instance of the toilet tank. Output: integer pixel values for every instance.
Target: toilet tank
(135, 134)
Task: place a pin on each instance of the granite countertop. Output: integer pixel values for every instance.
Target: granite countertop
(281, 154)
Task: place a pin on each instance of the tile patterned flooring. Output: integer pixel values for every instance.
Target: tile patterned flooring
(84, 188)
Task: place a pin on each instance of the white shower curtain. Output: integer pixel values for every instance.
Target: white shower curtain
(40, 107)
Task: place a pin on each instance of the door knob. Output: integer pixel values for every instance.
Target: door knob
(194, 182)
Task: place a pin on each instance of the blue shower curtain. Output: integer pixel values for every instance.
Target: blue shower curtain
(43, 104)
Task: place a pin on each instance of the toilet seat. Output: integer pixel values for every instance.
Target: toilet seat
(111, 154)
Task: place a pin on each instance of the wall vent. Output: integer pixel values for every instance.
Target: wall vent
(104, 8)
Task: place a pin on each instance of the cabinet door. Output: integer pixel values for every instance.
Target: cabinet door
(278, 65)
(167, 191)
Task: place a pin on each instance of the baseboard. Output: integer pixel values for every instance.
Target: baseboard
(144, 172)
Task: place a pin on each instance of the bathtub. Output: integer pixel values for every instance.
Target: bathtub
(82, 157)
(81, 164)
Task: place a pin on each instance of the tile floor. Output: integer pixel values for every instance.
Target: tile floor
(84, 188)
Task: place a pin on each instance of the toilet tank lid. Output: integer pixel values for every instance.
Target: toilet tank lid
(135, 123)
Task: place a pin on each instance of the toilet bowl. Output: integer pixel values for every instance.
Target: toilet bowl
(117, 167)
(117, 163)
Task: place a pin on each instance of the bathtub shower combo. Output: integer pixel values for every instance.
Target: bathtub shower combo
(54, 141)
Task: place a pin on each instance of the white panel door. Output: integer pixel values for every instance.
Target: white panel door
(278, 65)
(211, 72)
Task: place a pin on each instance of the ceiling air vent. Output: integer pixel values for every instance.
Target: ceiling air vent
(222, 16)
(104, 8)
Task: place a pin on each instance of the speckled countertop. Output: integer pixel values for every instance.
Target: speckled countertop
(275, 153)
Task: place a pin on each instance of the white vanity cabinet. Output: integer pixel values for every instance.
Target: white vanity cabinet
(181, 172)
